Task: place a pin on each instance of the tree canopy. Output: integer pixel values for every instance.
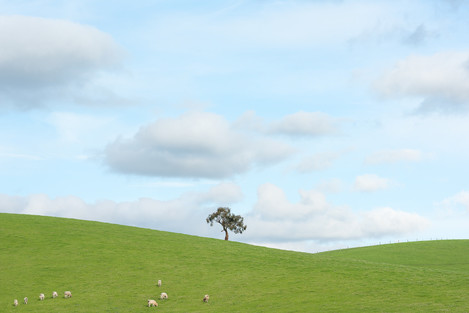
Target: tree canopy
(227, 220)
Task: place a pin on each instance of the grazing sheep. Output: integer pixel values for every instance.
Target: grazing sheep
(206, 298)
(159, 283)
(41, 296)
(163, 296)
(15, 303)
(54, 294)
(25, 300)
(67, 294)
(152, 303)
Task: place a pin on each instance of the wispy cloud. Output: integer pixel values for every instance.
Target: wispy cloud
(316, 162)
(393, 156)
(458, 200)
(305, 124)
(370, 182)
(419, 36)
(278, 25)
(320, 161)
(20, 156)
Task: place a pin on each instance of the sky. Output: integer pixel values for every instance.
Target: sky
(326, 124)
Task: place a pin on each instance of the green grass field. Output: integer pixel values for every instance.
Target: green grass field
(113, 268)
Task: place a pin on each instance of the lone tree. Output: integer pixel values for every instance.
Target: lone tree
(227, 220)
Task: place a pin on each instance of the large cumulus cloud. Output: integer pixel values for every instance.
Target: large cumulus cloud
(195, 144)
(44, 59)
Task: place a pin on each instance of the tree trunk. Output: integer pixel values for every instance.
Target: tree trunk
(226, 234)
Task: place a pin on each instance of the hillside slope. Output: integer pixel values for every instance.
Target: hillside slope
(113, 268)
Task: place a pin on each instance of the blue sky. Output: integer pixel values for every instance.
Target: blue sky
(326, 124)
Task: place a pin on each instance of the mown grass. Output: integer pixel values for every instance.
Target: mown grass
(113, 268)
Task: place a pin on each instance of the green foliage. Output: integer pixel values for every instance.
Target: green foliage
(113, 268)
(227, 220)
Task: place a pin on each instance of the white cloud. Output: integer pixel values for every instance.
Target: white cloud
(43, 58)
(274, 219)
(185, 214)
(196, 144)
(440, 80)
(272, 204)
(370, 182)
(389, 221)
(224, 194)
(319, 161)
(393, 156)
(250, 121)
(299, 124)
(458, 200)
(12, 204)
(305, 124)
(333, 185)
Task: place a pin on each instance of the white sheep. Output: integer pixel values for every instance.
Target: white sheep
(25, 300)
(15, 303)
(206, 298)
(41, 296)
(163, 296)
(54, 294)
(67, 294)
(159, 283)
(152, 303)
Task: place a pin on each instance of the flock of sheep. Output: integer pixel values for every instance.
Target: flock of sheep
(67, 294)
(164, 296)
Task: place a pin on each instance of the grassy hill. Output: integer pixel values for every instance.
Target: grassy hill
(113, 268)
